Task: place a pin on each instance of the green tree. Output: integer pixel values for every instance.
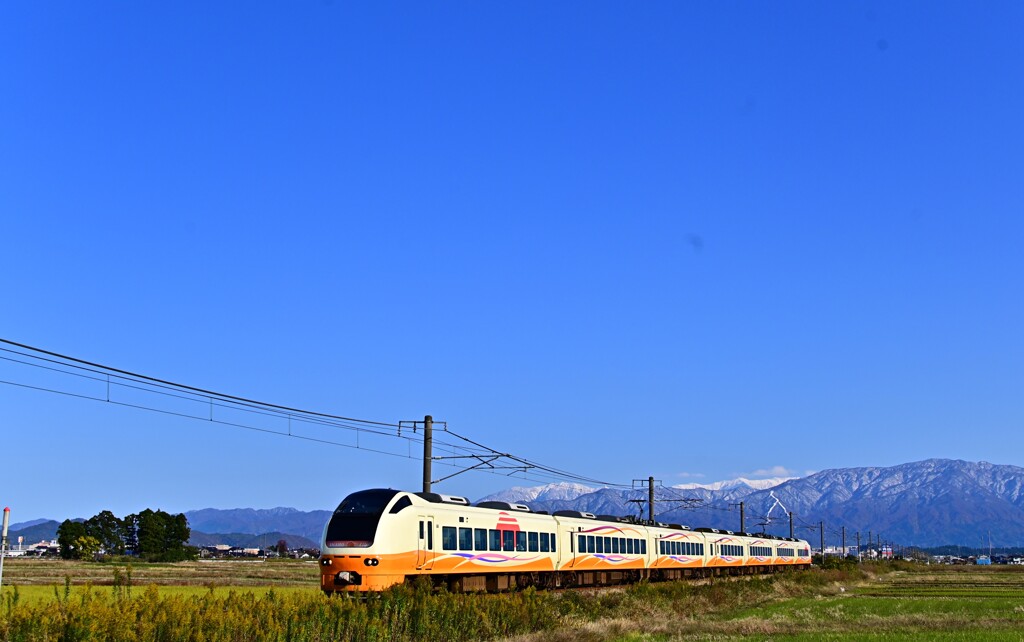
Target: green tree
(109, 530)
(282, 547)
(162, 536)
(149, 533)
(67, 534)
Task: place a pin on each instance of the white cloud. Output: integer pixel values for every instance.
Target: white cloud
(689, 475)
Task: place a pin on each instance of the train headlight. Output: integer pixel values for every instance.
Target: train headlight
(371, 561)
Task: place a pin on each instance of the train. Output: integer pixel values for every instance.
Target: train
(378, 538)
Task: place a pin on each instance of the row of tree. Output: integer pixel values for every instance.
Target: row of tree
(151, 535)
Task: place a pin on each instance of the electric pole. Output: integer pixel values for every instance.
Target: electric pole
(858, 546)
(790, 524)
(742, 530)
(650, 499)
(844, 542)
(821, 529)
(428, 448)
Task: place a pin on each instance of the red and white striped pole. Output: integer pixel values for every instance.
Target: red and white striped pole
(3, 543)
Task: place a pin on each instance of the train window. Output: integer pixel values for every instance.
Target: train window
(622, 545)
(600, 544)
(465, 539)
(544, 545)
(629, 546)
(480, 539)
(508, 540)
(590, 544)
(661, 548)
(430, 536)
(553, 543)
(421, 529)
(615, 544)
(403, 502)
(448, 542)
(495, 539)
(643, 547)
(356, 518)
(582, 548)
(531, 539)
(520, 540)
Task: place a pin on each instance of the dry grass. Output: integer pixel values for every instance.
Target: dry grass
(882, 602)
(239, 573)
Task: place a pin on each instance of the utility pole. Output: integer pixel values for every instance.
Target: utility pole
(428, 450)
(844, 542)
(858, 546)
(869, 540)
(650, 499)
(3, 544)
(790, 524)
(742, 530)
(821, 531)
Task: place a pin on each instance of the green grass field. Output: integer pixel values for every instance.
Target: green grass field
(281, 600)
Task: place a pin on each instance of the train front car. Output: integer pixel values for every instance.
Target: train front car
(380, 538)
(360, 551)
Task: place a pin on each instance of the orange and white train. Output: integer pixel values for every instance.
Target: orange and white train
(378, 538)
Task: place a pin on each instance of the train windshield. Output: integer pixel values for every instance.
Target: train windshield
(354, 522)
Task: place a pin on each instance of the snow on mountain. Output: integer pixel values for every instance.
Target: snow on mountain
(739, 482)
(562, 491)
(926, 503)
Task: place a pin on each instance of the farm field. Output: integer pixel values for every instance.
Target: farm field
(915, 602)
(281, 600)
(204, 573)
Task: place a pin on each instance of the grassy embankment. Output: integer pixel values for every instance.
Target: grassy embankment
(236, 602)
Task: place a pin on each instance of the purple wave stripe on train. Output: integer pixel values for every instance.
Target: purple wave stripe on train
(494, 559)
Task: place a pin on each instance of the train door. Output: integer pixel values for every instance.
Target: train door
(425, 543)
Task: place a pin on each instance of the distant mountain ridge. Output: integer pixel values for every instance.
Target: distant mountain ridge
(307, 524)
(927, 503)
(739, 482)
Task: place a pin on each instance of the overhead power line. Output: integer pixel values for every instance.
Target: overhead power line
(123, 388)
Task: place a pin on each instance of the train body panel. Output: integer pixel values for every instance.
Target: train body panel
(380, 537)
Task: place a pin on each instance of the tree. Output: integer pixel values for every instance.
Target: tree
(109, 530)
(162, 536)
(67, 534)
(282, 547)
(87, 547)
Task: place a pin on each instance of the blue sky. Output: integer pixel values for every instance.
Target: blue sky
(688, 240)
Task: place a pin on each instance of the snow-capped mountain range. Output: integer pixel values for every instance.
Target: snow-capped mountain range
(739, 482)
(927, 503)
